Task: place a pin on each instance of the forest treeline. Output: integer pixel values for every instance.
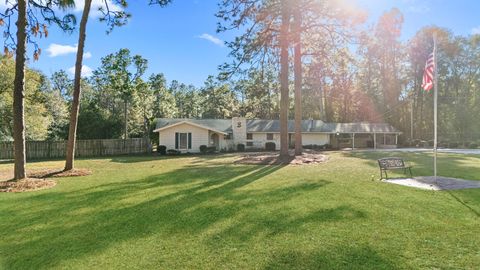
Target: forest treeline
(359, 75)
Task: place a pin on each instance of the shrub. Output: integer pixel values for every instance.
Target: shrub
(173, 152)
(453, 145)
(417, 142)
(473, 145)
(443, 144)
(270, 146)
(211, 149)
(162, 149)
(203, 149)
(327, 146)
(241, 147)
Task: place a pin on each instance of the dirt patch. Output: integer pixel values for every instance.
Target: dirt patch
(28, 184)
(49, 173)
(273, 158)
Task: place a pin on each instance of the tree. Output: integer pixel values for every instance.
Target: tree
(113, 18)
(218, 99)
(26, 13)
(72, 131)
(284, 82)
(164, 101)
(120, 71)
(298, 82)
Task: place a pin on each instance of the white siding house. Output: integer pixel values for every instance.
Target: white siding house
(187, 135)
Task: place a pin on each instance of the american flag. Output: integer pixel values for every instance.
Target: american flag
(427, 82)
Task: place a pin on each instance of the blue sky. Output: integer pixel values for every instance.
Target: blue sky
(180, 40)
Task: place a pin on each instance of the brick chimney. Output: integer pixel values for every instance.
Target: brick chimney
(239, 127)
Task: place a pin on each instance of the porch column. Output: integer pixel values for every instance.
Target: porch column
(384, 139)
(353, 141)
(375, 141)
(396, 138)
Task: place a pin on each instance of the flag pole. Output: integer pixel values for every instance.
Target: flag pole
(435, 99)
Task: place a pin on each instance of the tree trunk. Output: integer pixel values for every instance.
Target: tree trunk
(19, 92)
(297, 62)
(125, 119)
(72, 131)
(284, 98)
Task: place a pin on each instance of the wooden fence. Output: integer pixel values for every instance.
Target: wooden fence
(84, 148)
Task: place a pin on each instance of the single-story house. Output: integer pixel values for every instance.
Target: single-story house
(187, 135)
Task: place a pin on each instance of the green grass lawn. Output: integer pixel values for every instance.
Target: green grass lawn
(206, 213)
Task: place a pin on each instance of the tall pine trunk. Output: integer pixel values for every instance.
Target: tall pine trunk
(19, 92)
(72, 132)
(284, 98)
(125, 119)
(297, 65)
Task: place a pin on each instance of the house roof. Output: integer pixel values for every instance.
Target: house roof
(273, 126)
(222, 125)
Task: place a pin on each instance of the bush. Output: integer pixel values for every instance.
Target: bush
(241, 147)
(453, 145)
(211, 149)
(327, 146)
(417, 142)
(203, 149)
(270, 146)
(472, 145)
(162, 149)
(173, 152)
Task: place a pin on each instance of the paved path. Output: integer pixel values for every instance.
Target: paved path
(429, 182)
(443, 150)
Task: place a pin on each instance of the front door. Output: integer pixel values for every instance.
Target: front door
(214, 140)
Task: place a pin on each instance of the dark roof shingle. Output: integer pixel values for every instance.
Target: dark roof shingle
(273, 126)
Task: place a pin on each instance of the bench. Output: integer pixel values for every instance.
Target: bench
(392, 163)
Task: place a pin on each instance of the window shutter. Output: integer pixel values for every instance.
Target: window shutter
(189, 140)
(176, 140)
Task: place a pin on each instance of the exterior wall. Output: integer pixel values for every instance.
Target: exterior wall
(259, 140)
(199, 137)
(315, 138)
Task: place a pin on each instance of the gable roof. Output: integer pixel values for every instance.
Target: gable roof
(219, 125)
(273, 126)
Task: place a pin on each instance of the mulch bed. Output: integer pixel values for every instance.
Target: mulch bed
(49, 173)
(273, 158)
(27, 184)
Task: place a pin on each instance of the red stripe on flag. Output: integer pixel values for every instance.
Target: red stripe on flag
(427, 82)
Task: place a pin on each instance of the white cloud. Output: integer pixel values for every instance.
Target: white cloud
(55, 50)
(212, 39)
(96, 4)
(476, 30)
(86, 71)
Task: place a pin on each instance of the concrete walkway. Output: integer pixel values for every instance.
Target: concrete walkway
(429, 182)
(442, 150)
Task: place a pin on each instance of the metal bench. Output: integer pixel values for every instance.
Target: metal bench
(392, 163)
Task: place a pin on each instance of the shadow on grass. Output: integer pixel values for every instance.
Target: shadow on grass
(70, 225)
(452, 165)
(340, 257)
